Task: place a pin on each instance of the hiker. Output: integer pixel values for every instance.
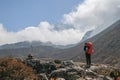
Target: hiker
(88, 51)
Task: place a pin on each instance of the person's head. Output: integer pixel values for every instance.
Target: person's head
(89, 44)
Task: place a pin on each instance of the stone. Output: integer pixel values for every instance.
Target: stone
(42, 76)
(60, 79)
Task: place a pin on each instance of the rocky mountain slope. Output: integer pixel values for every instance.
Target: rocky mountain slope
(32, 68)
(50, 69)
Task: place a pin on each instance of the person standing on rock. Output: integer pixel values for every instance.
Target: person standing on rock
(88, 51)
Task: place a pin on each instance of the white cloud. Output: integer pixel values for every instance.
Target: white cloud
(88, 15)
(43, 32)
(94, 14)
(118, 6)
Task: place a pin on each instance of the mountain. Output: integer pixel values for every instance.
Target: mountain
(106, 48)
(27, 44)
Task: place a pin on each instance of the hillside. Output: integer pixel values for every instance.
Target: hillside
(107, 47)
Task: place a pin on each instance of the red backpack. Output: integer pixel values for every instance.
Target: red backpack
(89, 45)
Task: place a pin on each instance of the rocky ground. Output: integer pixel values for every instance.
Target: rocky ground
(69, 70)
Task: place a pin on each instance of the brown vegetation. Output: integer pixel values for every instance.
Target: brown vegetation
(12, 69)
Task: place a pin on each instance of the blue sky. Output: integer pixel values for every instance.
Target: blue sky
(15, 15)
(61, 22)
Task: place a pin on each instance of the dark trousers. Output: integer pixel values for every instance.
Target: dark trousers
(88, 59)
